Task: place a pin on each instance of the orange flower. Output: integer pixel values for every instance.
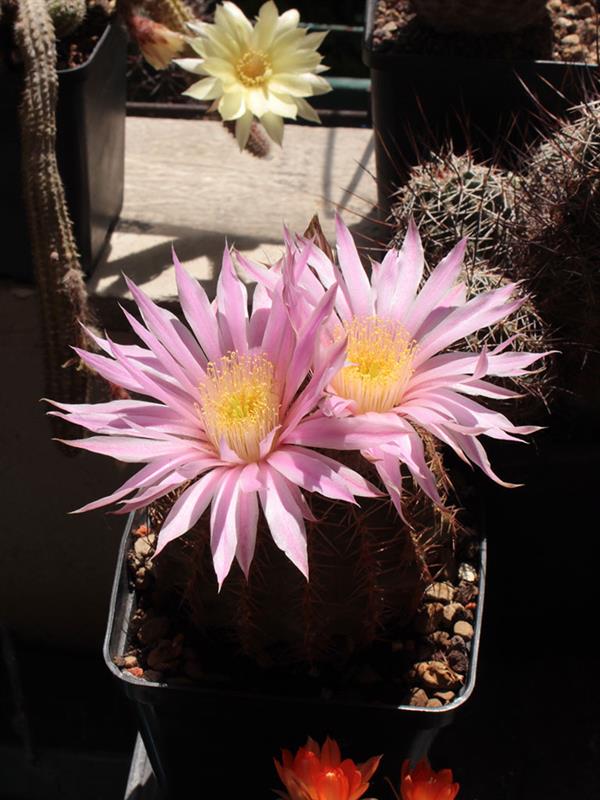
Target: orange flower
(320, 774)
(423, 783)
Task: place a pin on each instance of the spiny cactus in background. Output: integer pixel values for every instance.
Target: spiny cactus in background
(66, 15)
(258, 143)
(59, 279)
(480, 16)
(175, 14)
(556, 243)
(450, 197)
(368, 573)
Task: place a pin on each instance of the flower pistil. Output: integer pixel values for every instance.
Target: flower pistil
(239, 403)
(380, 355)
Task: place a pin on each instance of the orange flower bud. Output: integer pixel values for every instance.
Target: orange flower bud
(423, 783)
(316, 773)
(159, 44)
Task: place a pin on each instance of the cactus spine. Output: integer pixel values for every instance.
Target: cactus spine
(451, 197)
(66, 15)
(61, 288)
(556, 243)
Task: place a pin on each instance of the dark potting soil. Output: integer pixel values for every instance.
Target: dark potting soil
(569, 33)
(425, 663)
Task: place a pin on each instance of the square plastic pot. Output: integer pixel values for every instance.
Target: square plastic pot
(90, 148)
(222, 741)
(421, 103)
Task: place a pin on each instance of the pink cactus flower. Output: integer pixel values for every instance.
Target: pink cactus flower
(402, 362)
(231, 406)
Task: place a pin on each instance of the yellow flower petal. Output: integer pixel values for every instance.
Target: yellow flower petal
(265, 27)
(207, 89)
(195, 65)
(273, 124)
(256, 99)
(288, 83)
(220, 68)
(306, 111)
(232, 105)
(283, 105)
(289, 19)
(242, 129)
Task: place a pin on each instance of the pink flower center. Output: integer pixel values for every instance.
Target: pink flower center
(239, 403)
(380, 355)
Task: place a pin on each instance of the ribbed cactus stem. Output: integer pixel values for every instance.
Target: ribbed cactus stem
(61, 288)
(66, 15)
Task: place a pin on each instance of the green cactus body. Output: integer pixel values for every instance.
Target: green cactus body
(66, 15)
(452, 197)
(480, 16)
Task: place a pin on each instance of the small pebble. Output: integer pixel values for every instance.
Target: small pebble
(119, 661)
(142, 547)
(467, 573)
(441, 591)
(440, 638)
(457, 643)
(137, 672)
(445, 697)
(570, 39)
(464, 629)
(130, 661)
(458, 661)
(418, 697)
(434, 702)
(437, 675)
(453, 612)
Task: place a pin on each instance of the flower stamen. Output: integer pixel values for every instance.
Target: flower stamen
(380, 356)
(239, 403)
(254, 68)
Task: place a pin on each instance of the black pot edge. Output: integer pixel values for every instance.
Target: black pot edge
(377, 59)
(75, 74)
(121, 606)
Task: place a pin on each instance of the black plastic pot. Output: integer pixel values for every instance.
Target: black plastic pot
(90, 149)
(420, 103)
(222, 741)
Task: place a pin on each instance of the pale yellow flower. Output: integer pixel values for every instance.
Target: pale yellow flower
(265, 70)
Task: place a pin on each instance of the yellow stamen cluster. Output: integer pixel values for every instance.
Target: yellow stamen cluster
(380, 356)
(239, 402)
(253, 68)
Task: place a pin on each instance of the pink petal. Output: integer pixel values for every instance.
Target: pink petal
(198, 312)
(399, 276)
(232, 307)
(247, 521)
(437, 286)
(169, 330)
(482, 311)
(307, 470)
(357, 286)
(152, 472)
(189, 507)
(346, 433)
(129, 449)
(284, 517)
(187, 380)
(224, 524)
(331, 362)
(308, 336)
